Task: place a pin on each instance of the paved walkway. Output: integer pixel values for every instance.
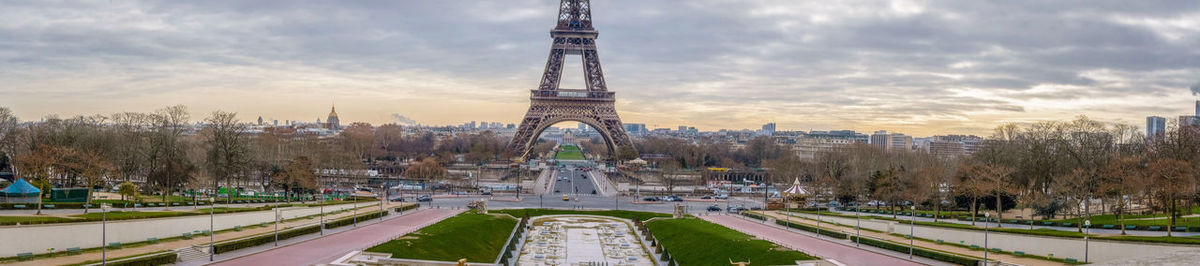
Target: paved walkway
(824, 249)
(1094, 231)
(198, 240)
(948, 248)
(329, 248)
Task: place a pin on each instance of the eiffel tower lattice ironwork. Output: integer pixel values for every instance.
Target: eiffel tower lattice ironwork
(550, 104)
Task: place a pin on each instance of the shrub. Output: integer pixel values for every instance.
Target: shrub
(158, 259)
(407, 207)
(827, 232)
(918, 251)
(350, 220)
(262, 239)
(754, 215)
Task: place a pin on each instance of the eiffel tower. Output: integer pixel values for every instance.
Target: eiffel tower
(550, 104)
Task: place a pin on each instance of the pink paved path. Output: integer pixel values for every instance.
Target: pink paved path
(844, 254)
(332, 247)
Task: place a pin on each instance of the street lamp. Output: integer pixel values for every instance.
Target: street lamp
(276, 226)
(211, 219)
(103, 234)
(355, 199)
(913, 214)
(1088, 224)
(857, 225)
(321, 206)
(986, 215)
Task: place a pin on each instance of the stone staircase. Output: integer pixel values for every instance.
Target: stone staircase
(194, 252)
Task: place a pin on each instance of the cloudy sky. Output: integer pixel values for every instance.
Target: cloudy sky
(920, 67)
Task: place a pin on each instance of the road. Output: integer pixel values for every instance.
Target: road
(329, 248)
(573, 181)
(847, 255)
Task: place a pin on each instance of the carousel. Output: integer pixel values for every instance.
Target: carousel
(795, 195)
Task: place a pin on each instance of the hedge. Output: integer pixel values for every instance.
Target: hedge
(919, 251)
(407, 207)
(754, 215)
(159, 259)
(350, 220)
(827, 232)
(263, 239)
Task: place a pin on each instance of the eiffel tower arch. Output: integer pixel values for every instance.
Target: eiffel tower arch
(550, 104)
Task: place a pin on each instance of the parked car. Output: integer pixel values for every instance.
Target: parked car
(756, 208)
(397, 199)
(460, 192)
(671, 198)
(714, 208)
(706, 197)
(736, 209)
(723, 196)
(651, 199)
(424, 198)
(486, 193)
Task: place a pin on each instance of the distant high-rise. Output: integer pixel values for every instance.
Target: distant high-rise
(1189, 121)
(1155, 126)
(260, 120)
(768, 129)
(881, 139)
(901, 142)
(635, 128)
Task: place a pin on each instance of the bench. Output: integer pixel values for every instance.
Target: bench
(1130, 227)
(1048, 223)
(1070, 260)
(939, 241)
(19, 207)
(191, 203)
(152, 240)
(174, 204)
(48, 206)
(137, 205)
(187, 235)
(1019, 253)
(74, 250)
(974, 246)
(237, 228)
(997, 250)
(1180, 228)
(205, 232)
(1013, 221)
(24, 256)
(87, 205)
(114, 245)
(1068, 224)
(1107, 226)
(1154, 228)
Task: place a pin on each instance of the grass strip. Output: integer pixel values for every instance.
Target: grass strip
(697, 242)
(476, 237)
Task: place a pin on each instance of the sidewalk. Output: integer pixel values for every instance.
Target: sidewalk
(947, 248)
(198, 240)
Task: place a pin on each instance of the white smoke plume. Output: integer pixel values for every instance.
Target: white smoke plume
(1196, 89)
(404, 120)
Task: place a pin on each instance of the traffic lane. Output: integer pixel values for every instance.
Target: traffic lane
(585, 201)
(329, 248)
(824, 249)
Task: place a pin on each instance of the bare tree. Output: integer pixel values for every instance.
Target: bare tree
(225, 141)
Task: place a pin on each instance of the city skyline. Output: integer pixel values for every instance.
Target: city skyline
(906, 66)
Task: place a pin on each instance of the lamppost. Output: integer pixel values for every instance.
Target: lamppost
(211, 219)
(385, 198)
(355, 206)
(857, 225)
(322, 210)
(1088, 225)
(913, 214)
(103, 234)
(818, 219)
(986, 216)
(276, 226)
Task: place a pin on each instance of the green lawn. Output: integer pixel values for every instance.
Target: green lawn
(613, 213)
(476, 237)
(698, 242)
(569, 152)
(11, 220)
(1112, 219)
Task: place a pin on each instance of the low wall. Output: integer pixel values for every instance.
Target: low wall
(1100, 250)
(40, 238)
